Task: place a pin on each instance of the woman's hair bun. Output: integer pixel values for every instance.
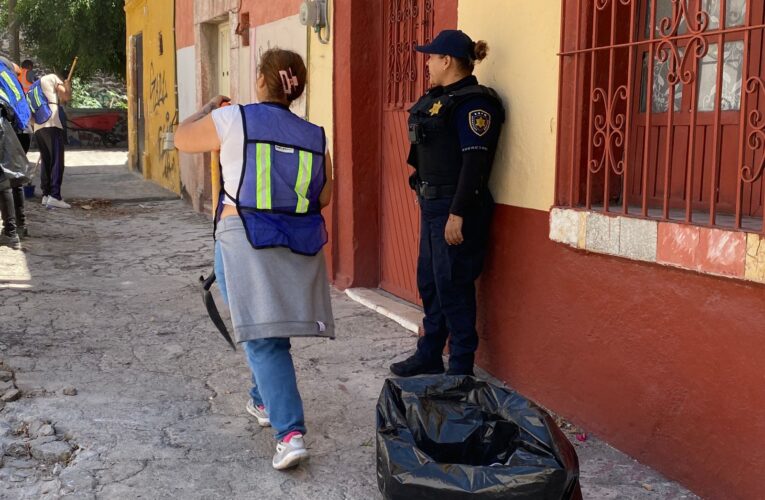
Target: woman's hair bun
(480, 49)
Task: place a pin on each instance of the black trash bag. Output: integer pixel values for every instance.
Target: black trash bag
(13, 159)
(455, 437)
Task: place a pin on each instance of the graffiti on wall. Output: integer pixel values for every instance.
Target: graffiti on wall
(157, 88)
(167, 159)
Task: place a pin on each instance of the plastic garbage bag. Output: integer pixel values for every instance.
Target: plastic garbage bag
(455, 437)
(13, 160)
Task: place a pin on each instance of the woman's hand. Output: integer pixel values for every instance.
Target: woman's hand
(215, 103)
(453, 231)
(197, 133)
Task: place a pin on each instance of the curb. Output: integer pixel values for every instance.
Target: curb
(408, 316)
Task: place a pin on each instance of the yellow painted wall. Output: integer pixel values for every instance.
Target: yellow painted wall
(152, 18)
(320, 82)
(522, 66)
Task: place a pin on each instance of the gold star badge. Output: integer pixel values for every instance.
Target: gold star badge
(480, 123)
(435, 108)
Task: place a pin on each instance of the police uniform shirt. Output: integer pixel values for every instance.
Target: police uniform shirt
(476, 125)
(478, 121)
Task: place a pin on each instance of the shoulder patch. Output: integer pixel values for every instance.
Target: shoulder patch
(480, 121)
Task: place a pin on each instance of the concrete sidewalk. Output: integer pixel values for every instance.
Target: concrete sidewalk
(127, 391)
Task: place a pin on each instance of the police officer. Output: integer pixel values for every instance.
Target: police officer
(453, 130)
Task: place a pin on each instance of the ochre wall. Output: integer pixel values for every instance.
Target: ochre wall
(320, 82)
(159, 106)
(522, 66)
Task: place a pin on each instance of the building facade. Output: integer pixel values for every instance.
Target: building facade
(152, 98)
(217, 47)
(636, 316)
(624, 285)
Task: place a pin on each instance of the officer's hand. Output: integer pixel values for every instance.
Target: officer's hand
(453, 232)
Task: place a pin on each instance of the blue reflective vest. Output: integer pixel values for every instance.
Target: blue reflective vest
(39, 103)
(12, 94)
(282, 177)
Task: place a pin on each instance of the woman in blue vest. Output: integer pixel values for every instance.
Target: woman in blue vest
(276, 177)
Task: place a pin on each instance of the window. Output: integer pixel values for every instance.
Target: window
(644, 130)
(409, 23)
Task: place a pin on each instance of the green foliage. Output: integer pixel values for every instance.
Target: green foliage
(86, 95)
(56, 31)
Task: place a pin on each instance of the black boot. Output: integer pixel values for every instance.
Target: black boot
(413, 365)
(460, 371)
(8, 237)
(18, 203)
(461, 365)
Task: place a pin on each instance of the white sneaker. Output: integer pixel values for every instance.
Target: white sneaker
(290, 454)
(258, 412)
(45, 200)
(56, 203)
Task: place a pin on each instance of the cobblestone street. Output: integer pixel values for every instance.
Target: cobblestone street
(125, 390)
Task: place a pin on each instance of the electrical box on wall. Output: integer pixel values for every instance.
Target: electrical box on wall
(314, 13)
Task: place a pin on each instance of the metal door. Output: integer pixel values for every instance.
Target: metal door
(406, 23)
(140, 115)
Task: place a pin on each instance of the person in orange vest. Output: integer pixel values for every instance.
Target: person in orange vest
(27, 75)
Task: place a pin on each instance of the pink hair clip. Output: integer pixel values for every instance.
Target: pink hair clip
(289, 81)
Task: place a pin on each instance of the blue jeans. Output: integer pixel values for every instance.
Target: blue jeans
(274, 384)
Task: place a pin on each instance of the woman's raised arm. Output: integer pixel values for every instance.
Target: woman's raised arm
(197, 134)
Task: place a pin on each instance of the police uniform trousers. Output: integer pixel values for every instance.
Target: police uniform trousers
(446, 277)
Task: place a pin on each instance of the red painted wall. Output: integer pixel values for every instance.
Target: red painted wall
(664, 364)
(184, 23)
(262, 11)
(357, 115)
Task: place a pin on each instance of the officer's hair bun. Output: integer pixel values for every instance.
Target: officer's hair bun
(480, 49)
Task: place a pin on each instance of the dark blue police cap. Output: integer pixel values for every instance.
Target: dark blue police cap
(453, 43)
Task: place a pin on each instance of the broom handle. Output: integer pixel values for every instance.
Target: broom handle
(71, 70)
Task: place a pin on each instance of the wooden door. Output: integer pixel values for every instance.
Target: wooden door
(406, 23)
(224, 60)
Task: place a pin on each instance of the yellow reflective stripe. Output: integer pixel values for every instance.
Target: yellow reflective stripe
(4, 96)
(263, 154)
(10, 83)
(303, 181)
(38, 100)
